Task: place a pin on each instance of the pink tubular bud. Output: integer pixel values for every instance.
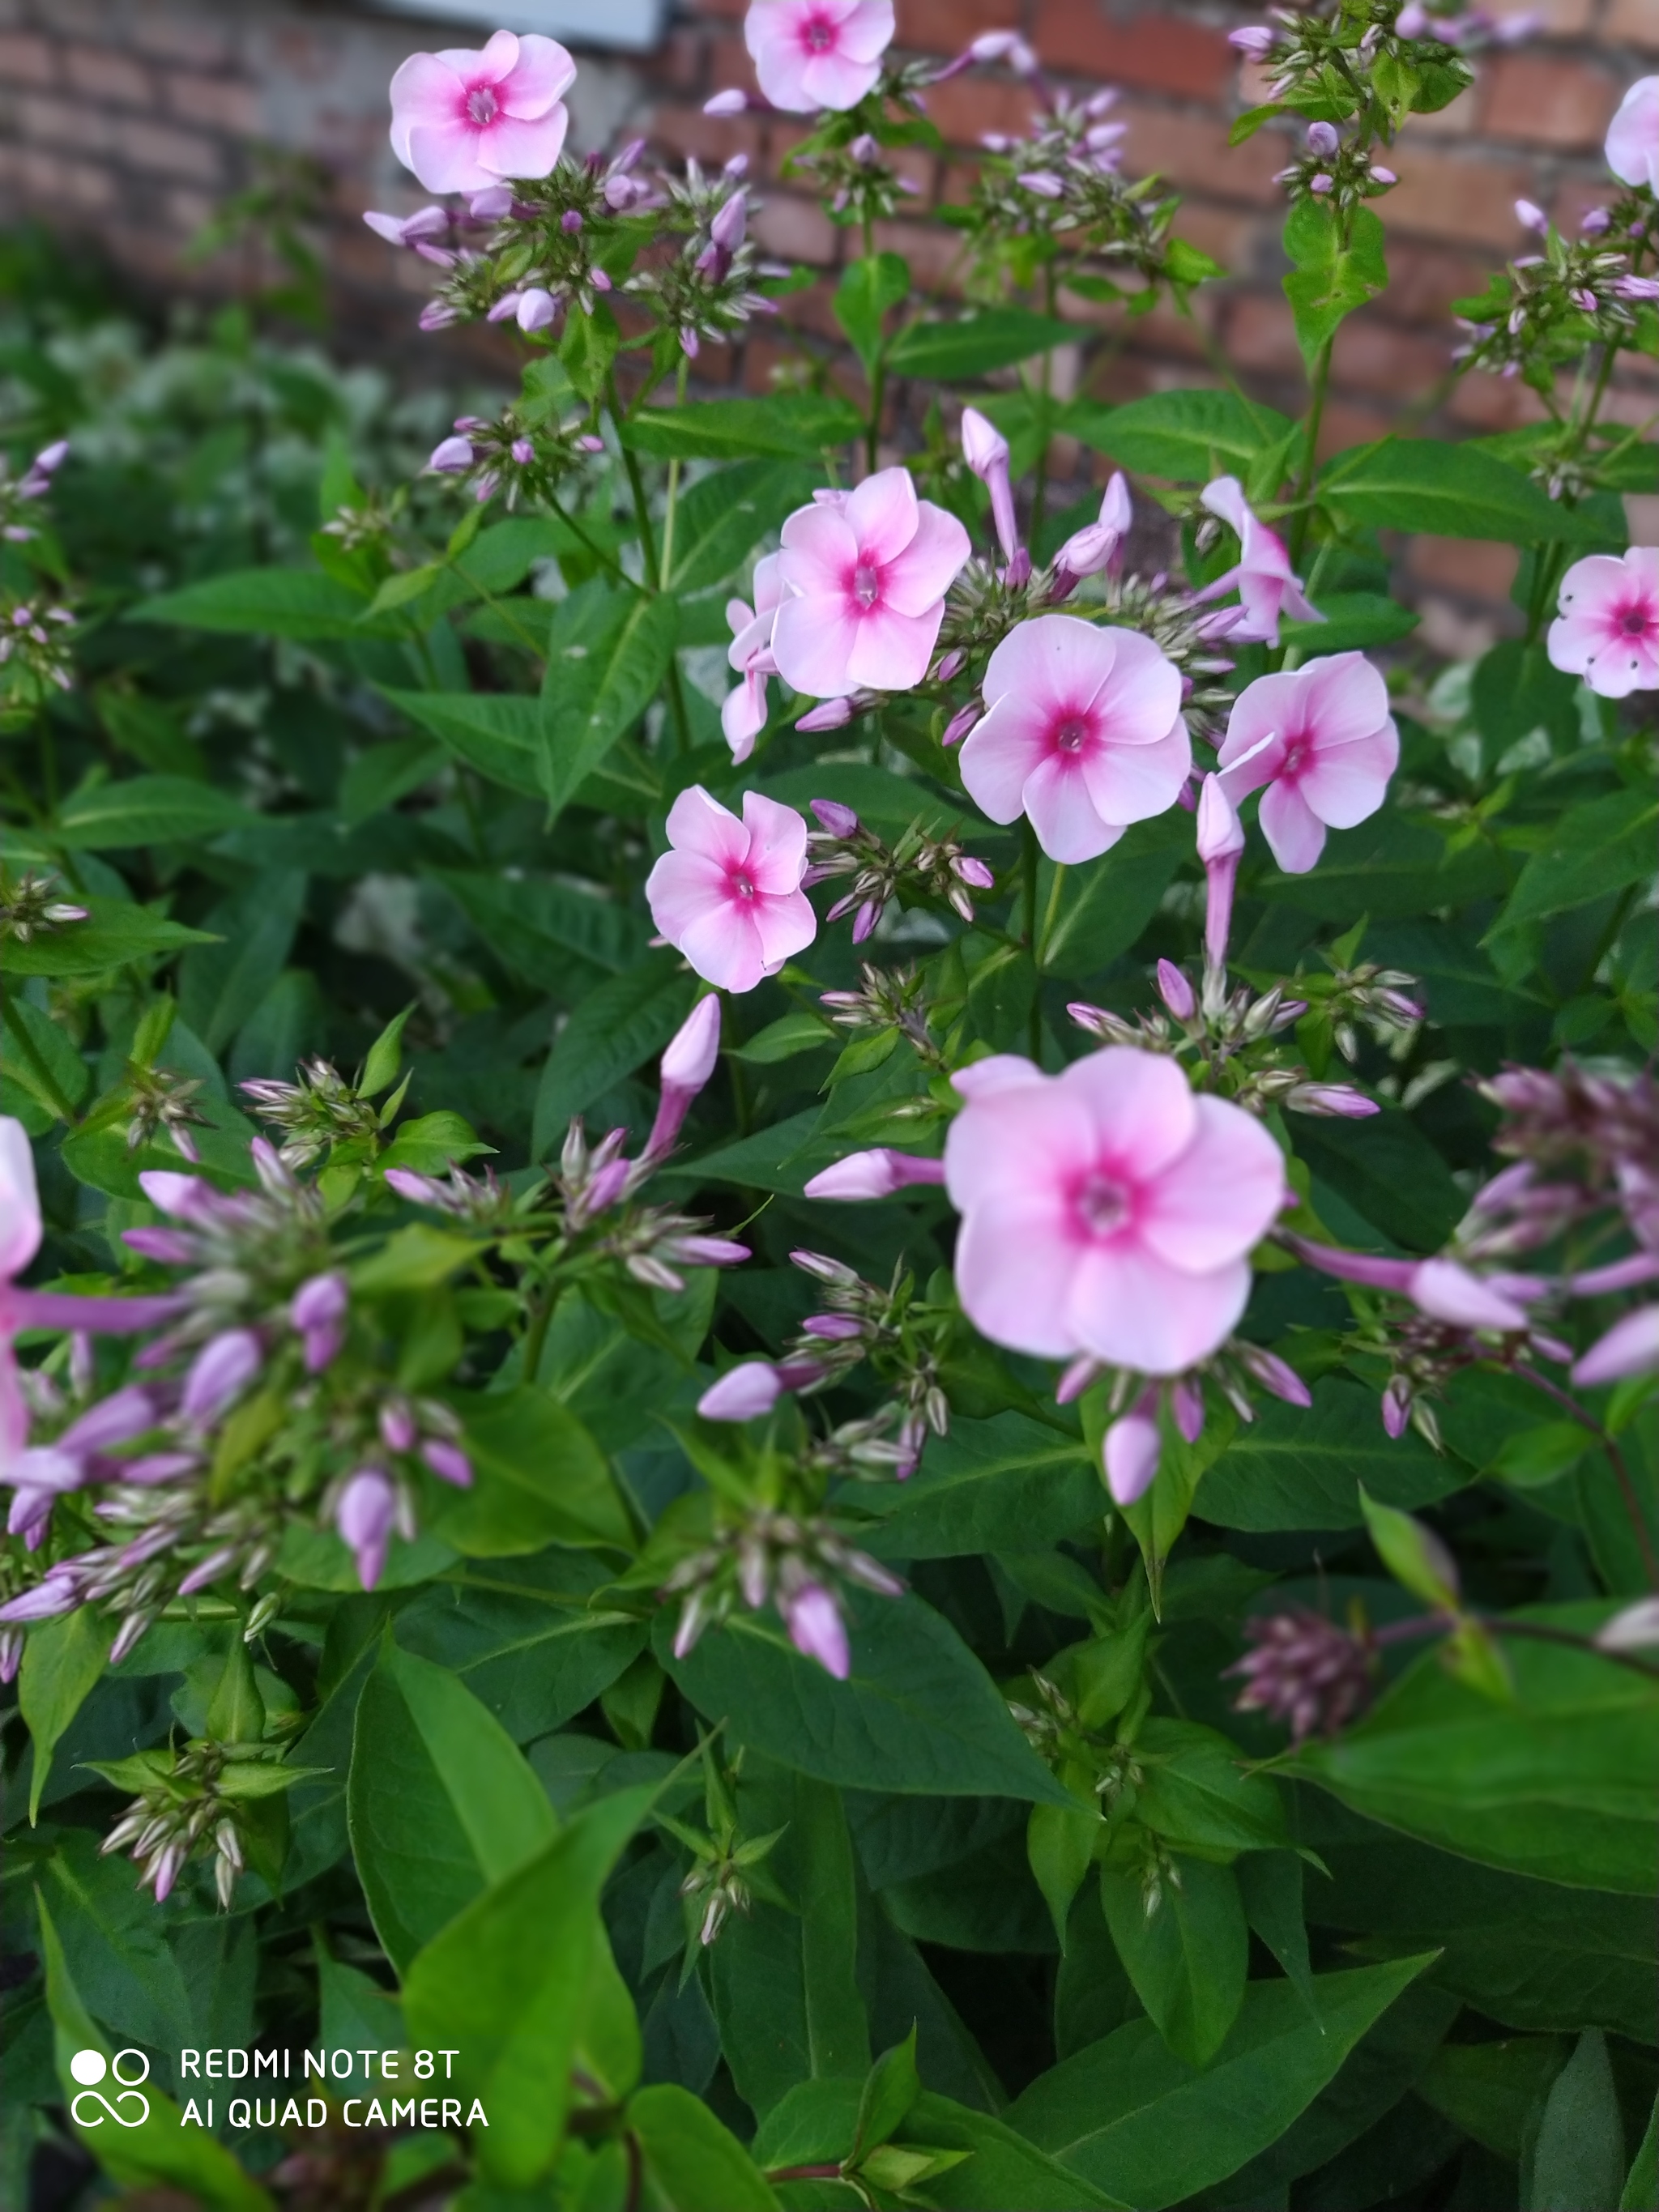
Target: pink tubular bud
(837, 820)
(316, 1304)
(418, 1189)
(1332, 1100)
(1275, 1375)
(727, 227)
(187, 1198)
(452, 457)
(1176, 993)
(975, 873)
(1323, 140)
(397, 1426)
(1531, 217)
(816, 1630)
(729, 102)
(1131, 1453)
(960, 723)
(686, 1066)
(1631, 1346)
(1447, 1292)
(1220, 843)
(835, 1328)
(1397, 1407)
(986, 452)
(831, 714)
(876, 1174)
(1255, 40)
(537, 308)
(59, 1592)
(743, 1394)
(447, 1461)
(1187, 1405)
(364, 1517)
(222, 1370)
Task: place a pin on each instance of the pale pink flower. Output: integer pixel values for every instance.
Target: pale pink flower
(1633, 135)
(743, 717)
(728, 895)
(1444, 1289)
(866, 580)
(1082, 733)
(1631, 1346)
(686, 1066)
(1321, 740)
(463, 121)
(1266, 589)
(875, 1174)
(743, 1392)
(1107, 1210)
(1607, 631)
(811, 54)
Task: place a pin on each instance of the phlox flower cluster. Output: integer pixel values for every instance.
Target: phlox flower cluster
(1608, 630)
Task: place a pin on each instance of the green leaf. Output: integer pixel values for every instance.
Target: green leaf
(1188, 1957)
(1197, 1791)
(1601, 847)
(692, 2163)
(1392, 868)
(499, 733)
(61, 1661)
(726, 513)
(1641, 2189)
(147, 810)
(891, 2088)
(1061, 1846)
(533, 1655)
(1563, 1782)
(1094, 914)
(1447, 490)
(1330, 276)
(588, 349)
(1292, 1468)
(1002, 1485)
(1494, 2092)
(220, 985)
(385, 1057)
(430, 1144)
(918, 1713)
(1577, 2163)
(417, 1258)
(791, 426)
(440, 1802)
(867, 291)
(608, 651)
(787, 1038)
(533, 926)
(1270, 1884)
(1412, 1553)
(1188, 436)
(1353, 621)
(616, 1027)
(505, 1984)
(1002, 2168)
(1129, 2116)
(783, 1985)
(1516, 690)
(153, 2150)
(995, 337)
(297, 603)
(112, 935)
(539, 1478)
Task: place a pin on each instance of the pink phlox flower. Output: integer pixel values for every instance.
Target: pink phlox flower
(865, 581)
(1108, 1210)
(1607, 631)
(1633, 135)
(1267, 588)
(463, 121)
(1321, 740)
(743, 717)
(812, 54)
(1082, 733)
(728, 896)
(1099, 544)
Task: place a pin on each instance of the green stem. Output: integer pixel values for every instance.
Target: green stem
(673, 484)
(652, 568)
(1053, 914)
(607, 562)
(534, 1337)
(1321, 387)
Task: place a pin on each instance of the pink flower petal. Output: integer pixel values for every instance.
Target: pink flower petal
(1140, 1107)
(784, 926)
(698, 824)
(1141, 697)
(423, 90)
(444, 157)
(1220, 1197)
(1056, 662)
(19, 1202)
(723, 945)
(1343, 698)
(814, 641)
(891, 651)
(543, 73)
(1128, 1307)
(1003, 748)
(881, 513)
(1014, 1262)
(777, 844)
(915, 580)
(515, 146)
(1136, 780)
(1056, 802)
(1345, 784)
(1292, 828)
(1026, 1132)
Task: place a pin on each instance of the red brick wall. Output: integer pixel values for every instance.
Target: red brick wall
(130, 117)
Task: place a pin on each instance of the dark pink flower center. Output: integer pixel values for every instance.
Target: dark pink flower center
(1072, 733)
(867, 584)
(481, 104)
(818, 35)
(1104, 1204)
(743, 884)
(1296, 755)
(1638, 621)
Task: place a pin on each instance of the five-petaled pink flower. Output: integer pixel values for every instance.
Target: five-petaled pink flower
(865, 578)
(728, 896)
(1322, 741)
(463, 121)
(810, 54)
(1082, 733)
(1607, 631)
(1265, 587)
(1107, 1210)
(1633, 135)
(743, 717)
